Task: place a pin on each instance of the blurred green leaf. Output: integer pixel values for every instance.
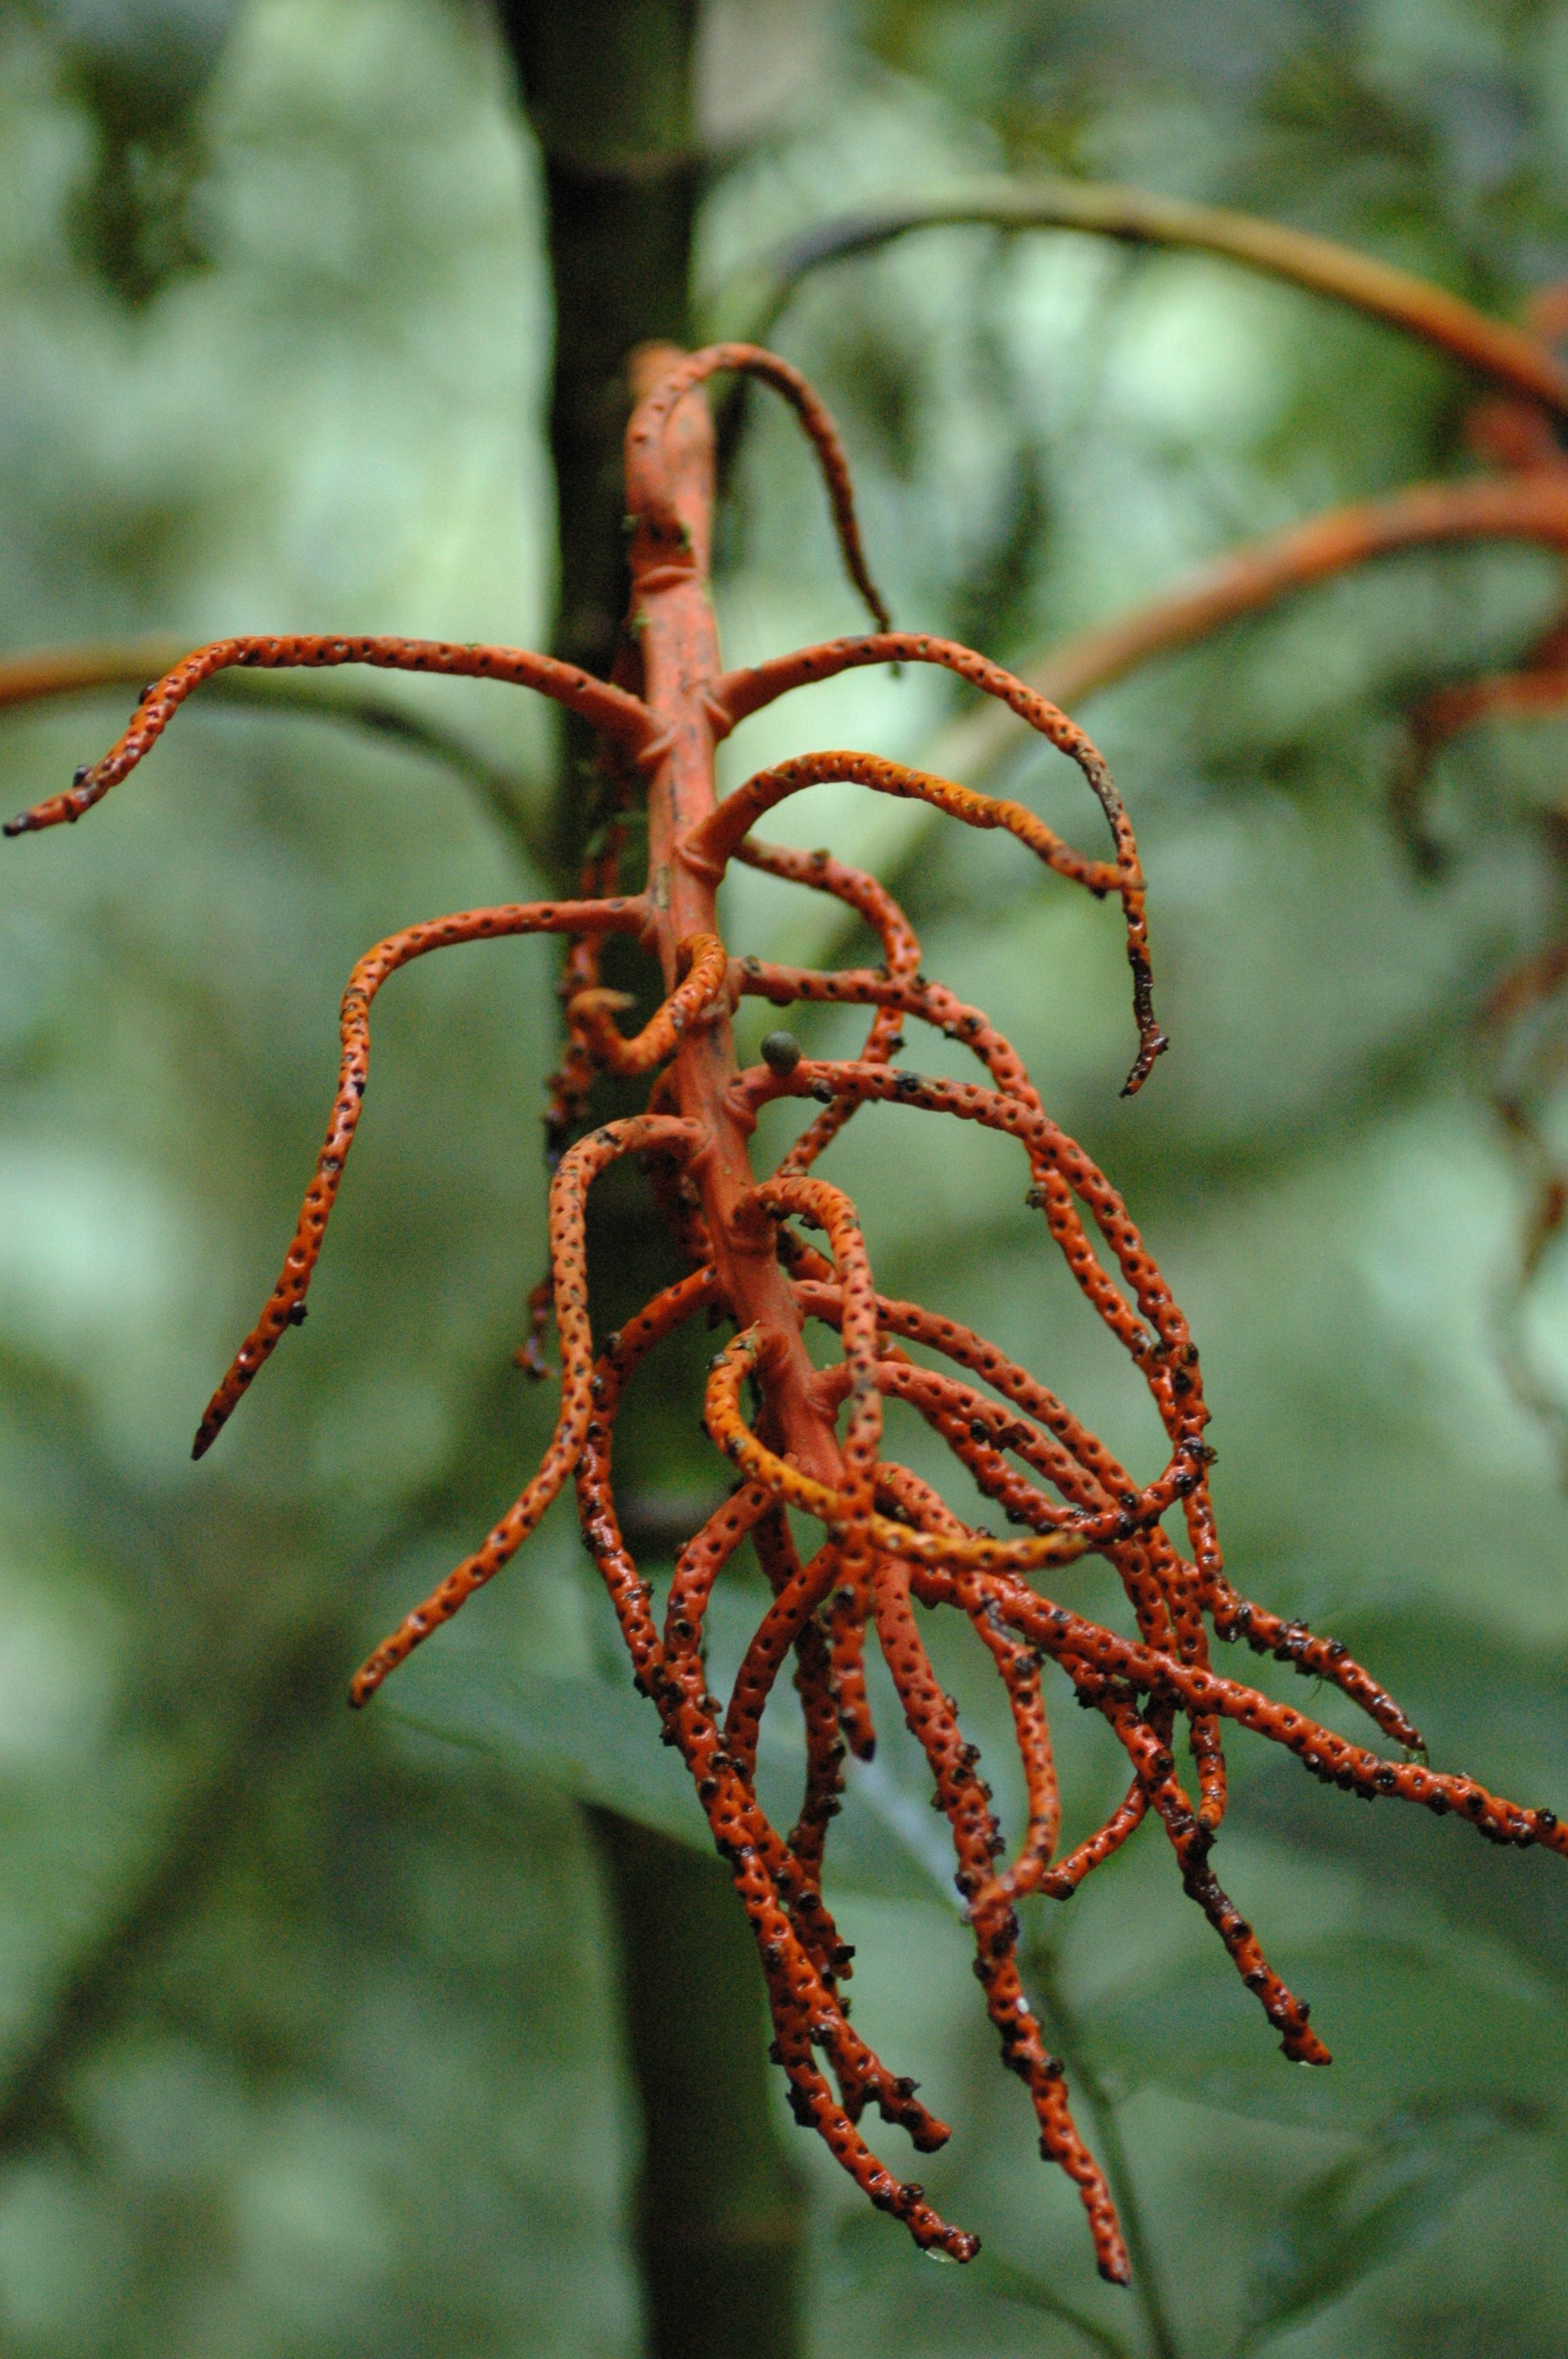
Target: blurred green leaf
(591, 1738)
(598, 1740)
(863, 2255)
(1012, 2283)
(1401, 2017)
(1364, 2211)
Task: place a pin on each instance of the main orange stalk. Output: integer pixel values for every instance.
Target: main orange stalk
(670, 492)
(814, 1444)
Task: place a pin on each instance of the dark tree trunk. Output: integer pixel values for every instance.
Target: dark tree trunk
(720, 2213)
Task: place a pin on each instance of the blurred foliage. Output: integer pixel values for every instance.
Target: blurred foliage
(140, 74)
(309, 2025)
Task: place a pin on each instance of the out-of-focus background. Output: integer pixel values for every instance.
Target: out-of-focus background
(312, 2033)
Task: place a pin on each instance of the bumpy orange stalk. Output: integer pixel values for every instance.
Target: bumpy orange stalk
(815, 1443)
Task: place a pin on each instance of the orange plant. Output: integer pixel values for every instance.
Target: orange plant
(813, 1443)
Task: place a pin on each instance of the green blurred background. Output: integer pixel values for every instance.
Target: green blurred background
(314, 2033)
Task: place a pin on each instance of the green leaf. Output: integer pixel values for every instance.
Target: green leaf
(866, 2258)
(597, 1740)
(1364, 2211)
(594, 1739)
(1389, 2010)
(1010, 2283)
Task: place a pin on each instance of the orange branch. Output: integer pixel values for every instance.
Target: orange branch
(1508, 355)
(1247, 582)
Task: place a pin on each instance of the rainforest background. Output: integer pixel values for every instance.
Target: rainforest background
(324, 2035)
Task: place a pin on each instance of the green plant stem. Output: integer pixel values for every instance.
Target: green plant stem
(719, 2224)
(609, 90)
(1013, 2284)
(1062, 2025)
(751, 302)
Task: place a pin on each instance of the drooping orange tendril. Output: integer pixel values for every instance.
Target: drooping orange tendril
(745, 692)
(814, 1444)
(286, 1306)
(814, 1683)
(647, 493)
(569, 1261)
(900, 954)
(607, 708)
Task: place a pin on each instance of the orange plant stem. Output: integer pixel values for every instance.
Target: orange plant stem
(673, 617)
(1523, 507)
(1493, 348)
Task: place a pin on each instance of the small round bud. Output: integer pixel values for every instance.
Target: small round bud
(781, 1052)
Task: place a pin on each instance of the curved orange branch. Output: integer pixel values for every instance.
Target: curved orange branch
(1246, 582)
(648, 497)
(606, 708)
(1509, 356)
(286, 1304)
(590, 1011)
(569, 1261)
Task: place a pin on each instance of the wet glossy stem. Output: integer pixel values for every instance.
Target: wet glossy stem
(1061, 2027)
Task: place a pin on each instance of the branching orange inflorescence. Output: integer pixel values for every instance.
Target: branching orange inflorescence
(814, 1443)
